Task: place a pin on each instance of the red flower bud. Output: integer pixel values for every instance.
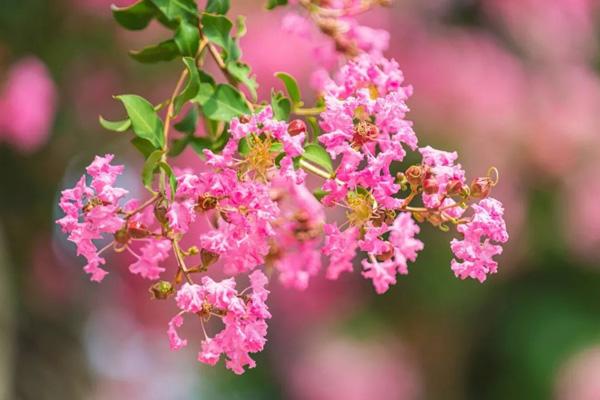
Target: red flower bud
(481, 187)
(244, 119)
(454, 187)
(296, 127)
(414, 175)
(137, 230)
(430, 186)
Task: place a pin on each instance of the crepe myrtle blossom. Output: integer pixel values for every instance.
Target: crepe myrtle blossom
(250, 209)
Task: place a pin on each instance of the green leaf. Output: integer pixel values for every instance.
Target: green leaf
(189, 122)
(178, 9)
(201, 143)
(240, 27)
(144, 146)
(165, 51)
(319, 194)
(217, 6)
(206, 89)
(191, 89)
(149, 167)
(187, 39)
(188, 126)
(281, 105)
(116, 126)
(172, 178)
(291, 86)
(243, 146)
(225, 104)
(316, 154)
(216, 28)
(271, 4)
(144, 120)
(241, 72)
(314, 125)
(136, 16)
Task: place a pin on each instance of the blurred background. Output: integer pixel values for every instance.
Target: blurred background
(509, 83)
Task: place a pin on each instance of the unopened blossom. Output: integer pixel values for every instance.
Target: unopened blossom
(481, 241)
(92, 212)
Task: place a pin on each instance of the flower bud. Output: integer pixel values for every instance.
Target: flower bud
(160, 213)
(137, 230)
(244, 119)
(296, 127)
(206, 202)
(481, 187)
(208, 257)
(454, 187)
(161, 290)
(121, 236)
(386, 255)
(414, 175)
(430, 186)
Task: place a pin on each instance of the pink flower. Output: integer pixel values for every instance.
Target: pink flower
(92, 211)
(152, 253)
(341, 249)
(27, 105)
(243, 315)
(477, 248)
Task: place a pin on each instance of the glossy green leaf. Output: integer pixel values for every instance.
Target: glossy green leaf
(201, 143)
(149, 167)
(217, 29)
(291, 86)
(178, 9)
(217, 6)
(271, 4)
(116, 126)
(193, 84)
(136, 16)
(206, 88)
(144, 146)
(240, 27)
(144, 120)
(187, 39)
(316, 154)
(241, 72)
(172, 178)
(165, 51)
(225, 104)
(281, 106)
(189, 122)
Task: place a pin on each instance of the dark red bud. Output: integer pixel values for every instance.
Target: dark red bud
(454, 187)
(208, 257)
(430, 186)
(414, 175)
(137, 230)
(244, 119)
(481, 187)
(296, 127)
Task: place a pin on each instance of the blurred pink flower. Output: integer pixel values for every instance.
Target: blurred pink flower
(549, 30)
(578, 378)
(27, 105)
(349, 369)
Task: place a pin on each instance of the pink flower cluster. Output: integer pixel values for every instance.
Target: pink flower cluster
(243, 315)
(348, 37)
(477, 247)
(93, 211)
(93, 214)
